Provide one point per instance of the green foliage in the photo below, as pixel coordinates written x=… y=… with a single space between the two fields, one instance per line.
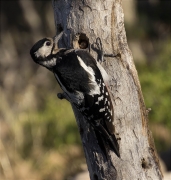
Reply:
x=155 y=78
x=59 y=122
x=51 y=127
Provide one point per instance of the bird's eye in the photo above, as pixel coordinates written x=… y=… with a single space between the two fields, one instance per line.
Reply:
x=48 y=43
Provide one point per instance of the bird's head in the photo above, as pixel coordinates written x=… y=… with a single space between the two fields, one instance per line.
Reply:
x=44 y=50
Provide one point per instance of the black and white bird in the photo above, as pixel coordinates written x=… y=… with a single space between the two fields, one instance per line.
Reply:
x=84 y=82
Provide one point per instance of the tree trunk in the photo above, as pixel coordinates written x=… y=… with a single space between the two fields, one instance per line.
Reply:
x=105 y=20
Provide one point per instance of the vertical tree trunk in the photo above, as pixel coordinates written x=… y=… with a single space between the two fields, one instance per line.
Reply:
x=105 y=19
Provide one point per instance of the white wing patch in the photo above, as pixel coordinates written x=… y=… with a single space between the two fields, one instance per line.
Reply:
x=100 y=98
x=103 y=73
x=93 y=84
x=102 y=109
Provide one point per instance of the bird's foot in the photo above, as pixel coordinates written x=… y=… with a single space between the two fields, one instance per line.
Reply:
x=62 y=96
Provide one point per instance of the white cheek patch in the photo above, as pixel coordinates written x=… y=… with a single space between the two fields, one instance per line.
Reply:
x=37 y=54
x=44 y=51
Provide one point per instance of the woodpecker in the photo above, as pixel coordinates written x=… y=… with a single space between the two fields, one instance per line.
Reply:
x=84 y=82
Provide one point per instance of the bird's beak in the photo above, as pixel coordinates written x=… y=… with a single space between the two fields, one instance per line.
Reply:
x=57 y=38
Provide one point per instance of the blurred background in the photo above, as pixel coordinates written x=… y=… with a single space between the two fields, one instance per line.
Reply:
x=38 y=133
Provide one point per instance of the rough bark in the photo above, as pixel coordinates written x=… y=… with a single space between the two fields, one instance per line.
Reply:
x=105 y=19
